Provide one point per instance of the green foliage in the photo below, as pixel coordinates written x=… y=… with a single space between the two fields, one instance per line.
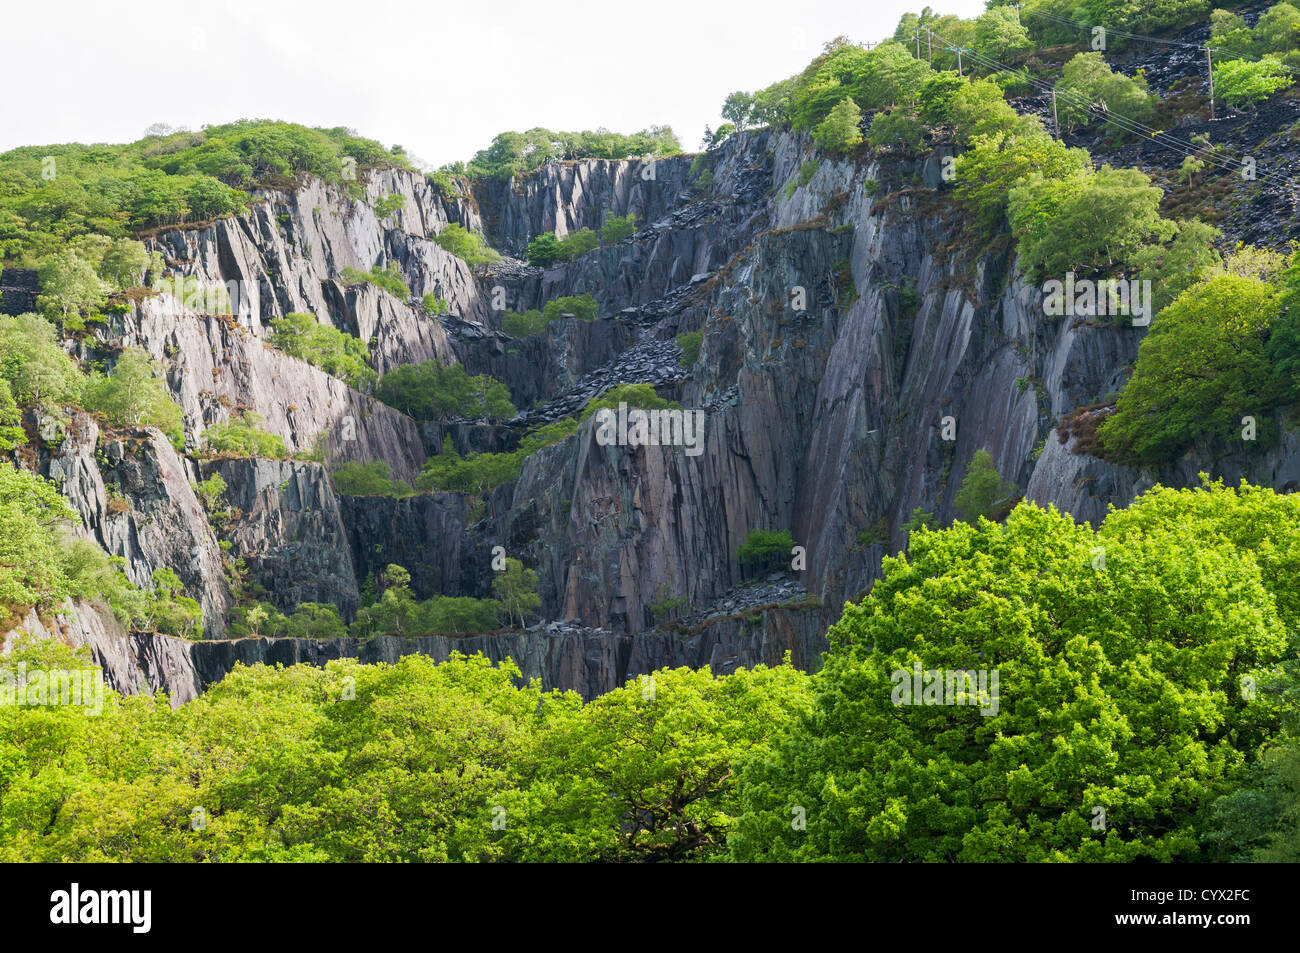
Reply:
x=36 y=367
x=763 y=548
x=11 y=431
x=1201 y=368
x=1243 y=83
x=899 y=128
x=642 y=396
x=513 y=153
x=69 y=286
x=169 y=610
x=135 y=395
x=390 y=278
x=1087 y=78
x=333 y=351
x=441 y=179
x=546 y=250
x=1085 y=222
x=839 y=131
x=468 y=246
x=646 y=805
x=617 y=229
x=480 y=472
x=309 y=620
x=1119 y=688
x=523 y=325
x=994 y=165
x=583 y=307
x=885 y=75
x=389 y=206
x=689 y=342
x=164 y=179
x=433 y=304
x=1173 y=269
x=397 y=612
x=369 y=478
x=982 y=488
x=516 y=589
x=124 y=263
x=938 y=97
x=210 y=491
x=243 y=436
x=31 y=513
x=1000 y=35
x=433 y=391
x=978 y=108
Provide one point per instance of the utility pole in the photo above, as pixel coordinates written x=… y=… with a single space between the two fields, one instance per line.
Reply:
x=1209 y=65
x=1056 y=122
x=917 y=34
x=929 y=48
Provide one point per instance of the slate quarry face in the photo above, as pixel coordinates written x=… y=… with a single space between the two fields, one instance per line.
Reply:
x=823 y=418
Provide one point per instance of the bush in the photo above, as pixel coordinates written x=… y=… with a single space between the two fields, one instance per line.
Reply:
x=389 y=206
x=546 y=250
x=1087 y=78
x=433 y=304
x=336 y=353
x=513 y=153
x=36 y=367
x=690 y=342
x=617 y=229
x=523 y=325
x=1144 y=660
x=986 y=173
x=764 y=548
x=839 y=131
x=243 y=436
x=135 y=395
x=583 y=307
x=389 y=278
x=433 y=391
x=468 y=246
x=641 y=396
x=368 y=479
x=479 y=472
x=898 y=128
x=516 y=589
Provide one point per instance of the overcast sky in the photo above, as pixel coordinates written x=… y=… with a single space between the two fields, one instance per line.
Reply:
x=439 y=78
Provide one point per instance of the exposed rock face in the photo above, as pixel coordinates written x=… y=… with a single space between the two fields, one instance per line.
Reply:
x=290 y=531
x=843 y=321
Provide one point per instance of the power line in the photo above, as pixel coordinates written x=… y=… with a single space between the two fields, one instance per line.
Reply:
x=1125 y=123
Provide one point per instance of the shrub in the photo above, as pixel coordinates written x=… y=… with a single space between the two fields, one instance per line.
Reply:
x=1085 y=222
x=523 y=325
x=898 y=128
x=642 y=396
x=1242 y=82
x=389 y=206
x=389 y=278
x=36 y=367
x=479 y=472
x=135 y=395
x=433 y=391
x=468 y=246
x=516 y=589
x=764 y=548
x=243 y=436
x=617 y=229
x=333 y=351
x=433 y=304
x=368 y=478
x=583 y=307
x=1087 y=78
x=689 y=342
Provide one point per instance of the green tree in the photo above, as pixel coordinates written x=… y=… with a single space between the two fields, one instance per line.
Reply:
x=1000 y=35
x=243 y=436
x=1201 y=368
x=1117 y=689
x=982 y=488
x=11 y=431
x=616 y=229
x=336 y=353
x=124 y=263
x=516 y=589
x=839 y=131
x=544 y=250
x=469 y=246
x=135 y=395
x=737 y=109
x=69 y=286
x=1243 y=82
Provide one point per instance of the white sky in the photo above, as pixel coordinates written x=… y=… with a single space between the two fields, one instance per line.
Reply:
x=441 y=78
